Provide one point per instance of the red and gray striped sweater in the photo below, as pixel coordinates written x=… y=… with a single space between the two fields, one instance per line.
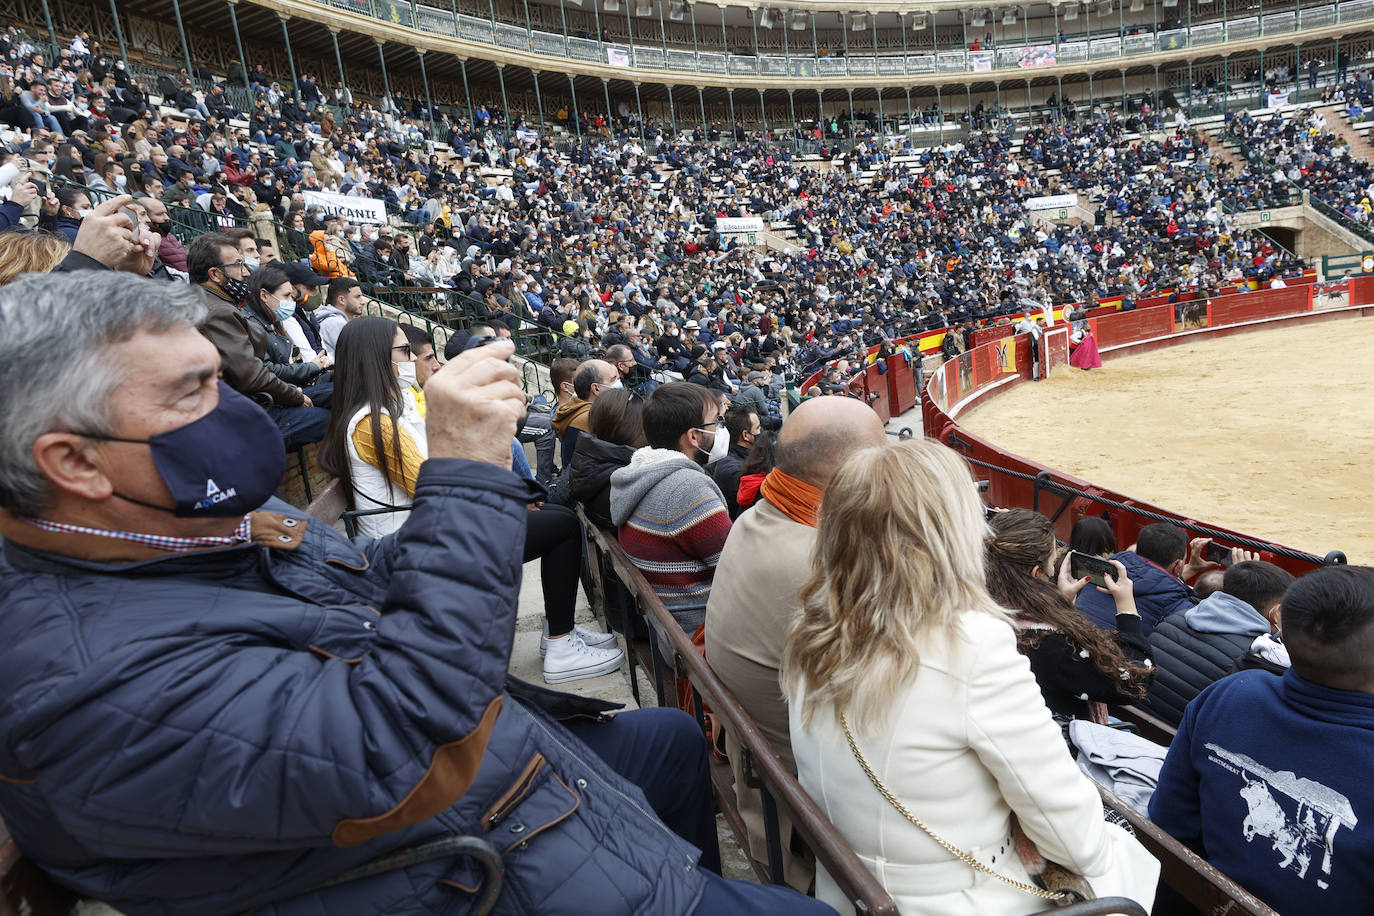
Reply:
x=673 y=524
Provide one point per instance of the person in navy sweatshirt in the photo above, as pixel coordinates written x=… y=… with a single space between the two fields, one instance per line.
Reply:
x=1267 y=778
x=1159 y=565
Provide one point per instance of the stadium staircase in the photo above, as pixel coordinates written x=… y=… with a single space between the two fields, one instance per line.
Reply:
x=1356 y=134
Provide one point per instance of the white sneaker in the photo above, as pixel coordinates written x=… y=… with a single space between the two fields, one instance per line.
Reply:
x=571 y=659
x=590 y=637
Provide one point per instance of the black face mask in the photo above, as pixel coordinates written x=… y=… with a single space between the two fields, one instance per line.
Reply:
x=164 y=227
x=236 y=289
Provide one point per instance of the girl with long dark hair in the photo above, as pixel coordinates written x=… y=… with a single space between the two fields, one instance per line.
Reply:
x=376 y=442
x=1075 y=663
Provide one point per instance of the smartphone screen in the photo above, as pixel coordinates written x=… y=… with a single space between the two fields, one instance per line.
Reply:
x=1217 y=553
x=1096 y=569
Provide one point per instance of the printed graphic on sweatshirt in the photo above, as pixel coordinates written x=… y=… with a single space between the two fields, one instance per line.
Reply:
x=1300 y=818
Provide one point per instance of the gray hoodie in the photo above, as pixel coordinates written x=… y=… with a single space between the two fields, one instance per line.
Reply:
x=331 y=322
x=1223 y=613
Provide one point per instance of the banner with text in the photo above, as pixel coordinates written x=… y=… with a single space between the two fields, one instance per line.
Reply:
x=354 y=209
x=1052 y=202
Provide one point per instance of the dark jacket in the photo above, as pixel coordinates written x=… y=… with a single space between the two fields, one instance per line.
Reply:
x=726 y=474
x=214 y=731
x=279 y=350
x=1266 y=781
x=242 y=345
x=1069 y=681
x=1157 y=595
x=1195 y=647
x=593 y=463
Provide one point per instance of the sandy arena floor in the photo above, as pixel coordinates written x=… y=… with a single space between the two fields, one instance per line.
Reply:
x=1270 y=433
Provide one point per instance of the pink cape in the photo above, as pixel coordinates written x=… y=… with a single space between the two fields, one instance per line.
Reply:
x=1085 y=356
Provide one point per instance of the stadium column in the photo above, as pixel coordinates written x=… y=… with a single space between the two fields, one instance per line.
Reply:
x=290 y=58
x=1155 y=101
x=467 y=93
x=939 y=113
x=730 y=94
x=852 y=129
x=701 y=100
x=880 y=112
x=639 y=110
x=505 y=105
x=52 y=33
x=1123 y=90
x=792 y=116
x=596 y=24
x=606 y=91
x=424 y=79
x=181 y=30
x=338 y=60
x=696 y=51
x=386 y=80
x=529 y=29
x=630 y=33
x=238 y=41
x=538 y=98
x=672 y=110
x=576 y=115
x=763 y=114
x=119 y=36
x=562 y=18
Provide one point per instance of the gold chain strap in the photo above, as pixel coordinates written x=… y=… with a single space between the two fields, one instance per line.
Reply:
x=1059 y=897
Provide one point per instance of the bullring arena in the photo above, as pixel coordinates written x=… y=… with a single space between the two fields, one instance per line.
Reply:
x=1268 y=432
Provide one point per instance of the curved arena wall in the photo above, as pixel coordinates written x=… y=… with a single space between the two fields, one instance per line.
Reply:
x=991 y=368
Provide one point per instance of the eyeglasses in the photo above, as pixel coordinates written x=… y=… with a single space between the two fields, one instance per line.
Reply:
x=404 y=348
x=233 y=264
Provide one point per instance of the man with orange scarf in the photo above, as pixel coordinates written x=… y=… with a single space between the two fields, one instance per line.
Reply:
x=766 y=558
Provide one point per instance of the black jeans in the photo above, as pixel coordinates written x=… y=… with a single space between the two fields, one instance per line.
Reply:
x=553 y=535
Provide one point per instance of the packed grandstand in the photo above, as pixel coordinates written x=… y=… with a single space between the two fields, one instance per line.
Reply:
x=304 y=353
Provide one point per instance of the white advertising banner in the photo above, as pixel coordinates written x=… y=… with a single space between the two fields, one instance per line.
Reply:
x=1277 y=99
x=355 y=209
x=617 y=57
x=1052 y=202
x=728 y=225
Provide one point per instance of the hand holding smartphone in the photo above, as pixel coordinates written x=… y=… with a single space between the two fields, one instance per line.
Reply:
x=1095 y=569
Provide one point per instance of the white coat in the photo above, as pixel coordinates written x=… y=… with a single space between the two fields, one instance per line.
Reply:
x=968 y=742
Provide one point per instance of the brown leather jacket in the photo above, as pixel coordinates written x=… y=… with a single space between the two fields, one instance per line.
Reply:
x=241 y=347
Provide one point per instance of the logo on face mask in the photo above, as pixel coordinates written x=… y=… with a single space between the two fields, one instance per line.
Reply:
x=213 y=495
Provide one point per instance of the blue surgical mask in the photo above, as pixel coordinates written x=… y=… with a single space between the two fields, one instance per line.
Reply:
x=285 y=309
x=252 y=263
x=226 y=464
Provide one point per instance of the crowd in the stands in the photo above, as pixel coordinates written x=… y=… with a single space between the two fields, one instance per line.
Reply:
x=217 y=703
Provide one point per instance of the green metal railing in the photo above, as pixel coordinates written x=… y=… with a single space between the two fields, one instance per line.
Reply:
x=1021 y=57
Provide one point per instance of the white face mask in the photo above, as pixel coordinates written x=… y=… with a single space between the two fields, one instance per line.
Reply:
x=719 y=447
x=616 y=384
x=406 y=373
x=85 y=212
x=252 y=263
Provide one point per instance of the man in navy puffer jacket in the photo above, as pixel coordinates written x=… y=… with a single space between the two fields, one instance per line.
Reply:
x=212 y=703
x=1158 y=571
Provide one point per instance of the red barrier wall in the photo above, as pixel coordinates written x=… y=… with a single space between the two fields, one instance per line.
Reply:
x=1124 y=327
x=875 y=387
x=983 y=372
x=901 y=384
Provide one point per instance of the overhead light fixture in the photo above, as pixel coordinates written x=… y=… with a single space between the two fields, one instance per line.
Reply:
x=859 y=22
x=1105 y=8
x=678 y=11
x=611 y=6
x=766 y=18
x=799 y=21
x=920 y=21
x=1169 y=3
x=1071 y=13
x=1009 y=17
x=1137 y=6
x=644 y=8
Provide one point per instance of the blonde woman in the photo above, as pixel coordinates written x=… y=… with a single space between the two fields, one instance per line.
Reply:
x=30 y=252
x=900 y=646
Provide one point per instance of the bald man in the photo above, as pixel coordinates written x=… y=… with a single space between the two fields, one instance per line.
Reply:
x=766 y=559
